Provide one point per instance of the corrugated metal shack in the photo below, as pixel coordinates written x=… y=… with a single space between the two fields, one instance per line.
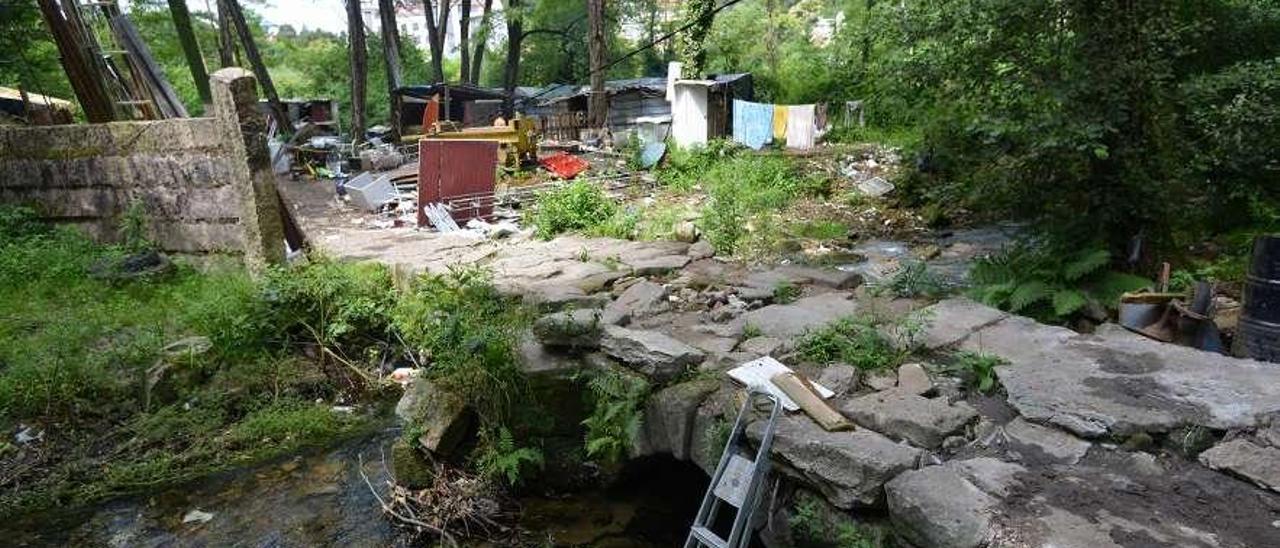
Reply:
x=469 y=105
x=563 y=107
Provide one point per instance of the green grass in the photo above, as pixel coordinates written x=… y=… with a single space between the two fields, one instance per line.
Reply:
x=75 y=351
x=854 y=341
x=578 y=206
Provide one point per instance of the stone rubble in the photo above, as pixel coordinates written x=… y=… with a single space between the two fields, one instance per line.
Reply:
x=1021 y=474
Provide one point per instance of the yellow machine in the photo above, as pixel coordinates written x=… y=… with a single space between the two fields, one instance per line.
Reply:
x=515 y=138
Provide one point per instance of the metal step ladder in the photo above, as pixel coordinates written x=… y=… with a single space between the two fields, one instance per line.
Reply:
x=736 y=482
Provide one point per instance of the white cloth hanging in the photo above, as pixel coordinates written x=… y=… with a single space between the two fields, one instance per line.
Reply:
x=800 y=127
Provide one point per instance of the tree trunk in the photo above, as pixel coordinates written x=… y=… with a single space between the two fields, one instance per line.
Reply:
x=359 y=68
x=482 y=42
x=437 y=30
x=515 y=36
x=866 y=35
x=88 y=84
x=699 y=14
x=771 y=38
x=464 y=40
x=278 y=111
x=598 y=101
x=191 y=48
x=226 y=41
x=391 y=52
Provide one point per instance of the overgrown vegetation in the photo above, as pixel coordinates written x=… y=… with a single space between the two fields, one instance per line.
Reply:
x=616 y=413
x=77 y=351
x=578 y=206
x=853 y=340
x=978 y=369
x=815 y=525
x=1050 y=285
x=913 y=279
x=83 y=360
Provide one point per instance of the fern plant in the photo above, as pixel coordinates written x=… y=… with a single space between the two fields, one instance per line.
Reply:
x=499 y=457
x=1048 y=285
x=615 y=418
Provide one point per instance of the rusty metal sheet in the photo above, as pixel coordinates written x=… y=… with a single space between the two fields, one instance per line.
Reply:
x=459 y=173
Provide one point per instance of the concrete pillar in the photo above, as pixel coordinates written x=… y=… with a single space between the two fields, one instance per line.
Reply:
x=244 y=129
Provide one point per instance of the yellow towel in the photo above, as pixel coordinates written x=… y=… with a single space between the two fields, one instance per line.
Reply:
x=779 y=123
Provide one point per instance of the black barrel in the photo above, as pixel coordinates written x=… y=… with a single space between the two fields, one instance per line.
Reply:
x=1259 y=328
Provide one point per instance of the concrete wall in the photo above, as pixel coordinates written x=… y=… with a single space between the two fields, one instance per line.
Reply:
x=198 y=179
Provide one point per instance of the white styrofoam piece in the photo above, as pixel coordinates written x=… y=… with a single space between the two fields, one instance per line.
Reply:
x=758 y=374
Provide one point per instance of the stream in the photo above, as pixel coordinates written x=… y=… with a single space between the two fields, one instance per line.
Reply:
x=320 y=499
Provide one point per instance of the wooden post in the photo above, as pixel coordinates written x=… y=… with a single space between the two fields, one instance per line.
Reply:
x=244 y=129
x=359 y=68
x=598 y=101
x=278 y=111
x=190 y=48
x=85 y=80
x=226 y=41
x=391 y=52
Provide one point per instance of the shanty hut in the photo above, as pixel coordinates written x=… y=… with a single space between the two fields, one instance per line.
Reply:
x=36 y=109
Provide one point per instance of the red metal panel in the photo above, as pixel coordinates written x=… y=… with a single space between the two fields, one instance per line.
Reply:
x=461 y=174
x=428 y=177
x=467 y=177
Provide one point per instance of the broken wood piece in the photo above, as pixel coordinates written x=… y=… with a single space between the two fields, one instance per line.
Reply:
x=799 y=390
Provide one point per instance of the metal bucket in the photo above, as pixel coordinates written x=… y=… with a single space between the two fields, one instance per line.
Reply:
x=1259 y=328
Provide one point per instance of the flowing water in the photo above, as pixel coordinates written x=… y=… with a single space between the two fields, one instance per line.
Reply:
x=320 y=499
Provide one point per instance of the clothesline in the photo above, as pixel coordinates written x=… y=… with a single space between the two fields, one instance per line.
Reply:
x=758 y=124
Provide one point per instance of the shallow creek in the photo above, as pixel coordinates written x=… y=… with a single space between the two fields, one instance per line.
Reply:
x=320 y=499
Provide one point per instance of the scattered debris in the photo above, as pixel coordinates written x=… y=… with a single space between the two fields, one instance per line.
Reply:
x=440 y=217
x=27 y=434
x=369 y=192
x=758 y=374
x=875 y=187
x=564 y=165
x=197 y=516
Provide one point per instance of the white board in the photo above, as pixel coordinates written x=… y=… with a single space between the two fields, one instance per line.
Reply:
x=758 y=373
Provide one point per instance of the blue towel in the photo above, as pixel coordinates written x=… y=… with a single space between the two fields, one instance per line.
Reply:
x=752 y=123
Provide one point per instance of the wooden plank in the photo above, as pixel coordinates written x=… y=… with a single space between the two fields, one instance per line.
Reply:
x=800 y=390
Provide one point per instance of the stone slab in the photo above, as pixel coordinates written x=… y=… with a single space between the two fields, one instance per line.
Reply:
x=922 y=421
x=786 y=321
x=1243 y=458
x=1099 y=386
x=1048 y=443
x=847 y=468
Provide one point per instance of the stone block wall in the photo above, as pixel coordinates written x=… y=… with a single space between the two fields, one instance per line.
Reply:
x=196 y=179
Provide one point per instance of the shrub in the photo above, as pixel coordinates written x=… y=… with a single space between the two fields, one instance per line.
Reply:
x=744 y=192
x=615 y=414
x=580 y=205
x=913 y=280
x=468 y=332
x=498 y=457
x=1048 y=284
x=854 y=341
x=979 y=369
x=786 y=292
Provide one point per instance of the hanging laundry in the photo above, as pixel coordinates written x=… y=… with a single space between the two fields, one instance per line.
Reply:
x=800 y=127
x=820 y=120
x=752 y=123
x=779 y=123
